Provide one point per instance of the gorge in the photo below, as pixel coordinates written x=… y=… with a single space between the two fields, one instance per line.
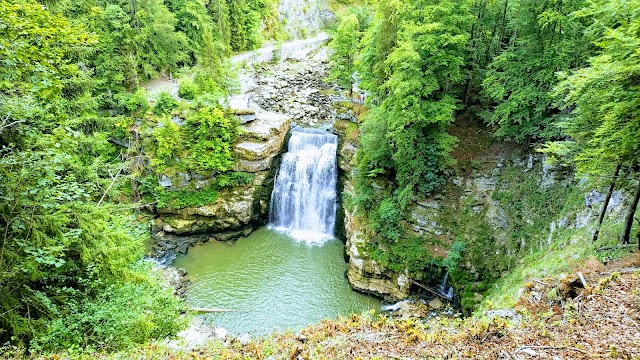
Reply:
x=313 y=179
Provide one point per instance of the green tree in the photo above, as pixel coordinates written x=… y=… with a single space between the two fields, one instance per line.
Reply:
x=418 y=101
x=34 y=49
x=65 y=245
x=344 y=47
x=604 y=98
x=377 y=43
x=211 y=135
x=543 y=39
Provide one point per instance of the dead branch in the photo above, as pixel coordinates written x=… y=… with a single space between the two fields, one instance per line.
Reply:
x=621 y=246
x=552 y=348
x=430 y=290
x=6 y=124
x=539 y=282
x=507 y=354
x=583 y=280
x=110 y=186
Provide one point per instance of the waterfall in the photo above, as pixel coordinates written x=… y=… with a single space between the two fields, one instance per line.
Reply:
x=303 y=202
x=445 y=289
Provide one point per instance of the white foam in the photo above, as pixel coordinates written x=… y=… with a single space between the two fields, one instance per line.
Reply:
x=304 y=236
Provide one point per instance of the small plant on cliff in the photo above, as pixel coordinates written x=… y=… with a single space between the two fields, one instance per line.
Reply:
x=207 y=195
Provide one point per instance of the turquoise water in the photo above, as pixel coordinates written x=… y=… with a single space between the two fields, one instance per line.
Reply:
x=271 y=282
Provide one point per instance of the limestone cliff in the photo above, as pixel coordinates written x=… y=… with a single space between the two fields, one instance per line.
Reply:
x=364 y=274
x=499 y=205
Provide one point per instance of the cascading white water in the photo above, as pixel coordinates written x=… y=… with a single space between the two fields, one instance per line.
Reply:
x=303 y=202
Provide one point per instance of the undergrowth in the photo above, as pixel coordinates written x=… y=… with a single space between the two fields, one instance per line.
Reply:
x=189 y=197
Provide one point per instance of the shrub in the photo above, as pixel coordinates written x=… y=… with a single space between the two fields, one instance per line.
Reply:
x=165 y=104
x=122 y=315
x=188 y=89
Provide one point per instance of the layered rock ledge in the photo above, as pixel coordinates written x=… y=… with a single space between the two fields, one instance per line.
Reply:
x=236 y=210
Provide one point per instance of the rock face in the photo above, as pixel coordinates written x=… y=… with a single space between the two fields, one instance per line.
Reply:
x=302 y=20
x=236 y=209
x=494 y=210
x=364 y=274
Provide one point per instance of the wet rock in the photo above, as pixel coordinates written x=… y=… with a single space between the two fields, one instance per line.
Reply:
x=436 y=304
x=232 y=209
x=233 y=235
x=183 y=249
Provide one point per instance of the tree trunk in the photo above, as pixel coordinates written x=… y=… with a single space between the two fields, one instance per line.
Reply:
x=606 y=201
x=629 y=219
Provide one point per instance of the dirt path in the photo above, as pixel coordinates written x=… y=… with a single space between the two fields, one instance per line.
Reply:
x=297 y=49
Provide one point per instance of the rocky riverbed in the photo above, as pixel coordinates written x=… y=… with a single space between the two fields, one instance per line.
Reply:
x=295 y=86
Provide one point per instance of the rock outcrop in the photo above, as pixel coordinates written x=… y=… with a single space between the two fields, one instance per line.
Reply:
x=236 y=209
x=496 y=207
x=364 y=274
x=302 y=19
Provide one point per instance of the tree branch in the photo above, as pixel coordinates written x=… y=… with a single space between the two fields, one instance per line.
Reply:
x=6 y=124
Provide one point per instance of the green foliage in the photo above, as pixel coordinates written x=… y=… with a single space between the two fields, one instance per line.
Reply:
x=344 y=46
x=165 y=104
x=68 y=245
x=214 y=82
x=377 y=43
x=34 y=49
x=407 y=254
x=210 y=136
x=188 y=89
x=417 y=105
x=454 y=256
x=122 y=316
x=412 y=57
x=133 y=103
x=193 y=198
x=203 y=144
x=603 y=97
x=244 y=19
x=60 y=247
x=543 y=39
x=168 y=144
x=386 y=220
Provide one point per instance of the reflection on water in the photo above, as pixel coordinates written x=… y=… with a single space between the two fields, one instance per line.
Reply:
x=272 y=281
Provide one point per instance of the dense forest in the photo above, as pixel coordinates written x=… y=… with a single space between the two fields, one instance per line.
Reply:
x=70 y=96
x=559 y=76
